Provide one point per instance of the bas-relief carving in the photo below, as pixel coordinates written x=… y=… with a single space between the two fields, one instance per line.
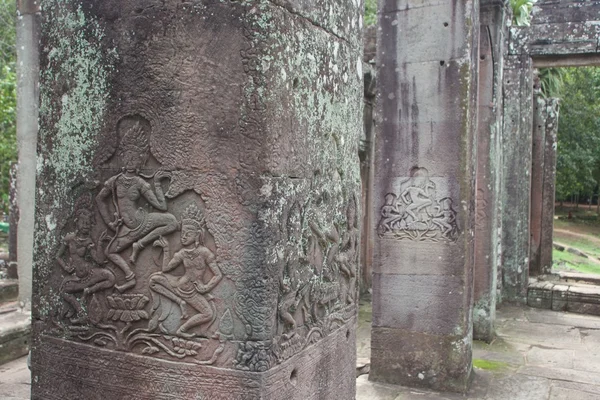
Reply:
x=130 y=284
x=318 y=281
x=417 y=212
x=140 y=276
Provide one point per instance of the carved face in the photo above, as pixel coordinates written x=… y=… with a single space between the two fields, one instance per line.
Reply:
x=189 y=235
x=84 y=222
x=132 y=159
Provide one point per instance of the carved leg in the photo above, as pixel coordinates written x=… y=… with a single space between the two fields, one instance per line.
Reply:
x=124 y=266
x=195 y=320
x=288 y=319
x=163 y=225
x=105 y=280
x=72 y=301
x=135 y=251
x=157 y=284
x=411 y=213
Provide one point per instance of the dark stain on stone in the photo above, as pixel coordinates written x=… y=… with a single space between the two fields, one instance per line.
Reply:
x=414 y=116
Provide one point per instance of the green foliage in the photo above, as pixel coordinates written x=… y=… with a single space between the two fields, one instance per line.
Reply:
x=8 y=94
x=370 y=12
x=552 y=81
x=522 y=11
x=578 y=158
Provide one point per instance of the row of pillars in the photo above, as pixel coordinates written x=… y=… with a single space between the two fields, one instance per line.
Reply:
x=239 y=124
x=463 y=191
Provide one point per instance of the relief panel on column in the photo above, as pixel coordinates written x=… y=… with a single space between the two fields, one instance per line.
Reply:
x=139 y=264
x=420 y=208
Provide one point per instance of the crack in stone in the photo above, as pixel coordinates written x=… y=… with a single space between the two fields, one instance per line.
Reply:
x=288 y=7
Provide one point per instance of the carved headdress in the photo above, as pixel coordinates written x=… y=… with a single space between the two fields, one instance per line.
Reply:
x=135 y=139
x=193 y=216
x=83 y=205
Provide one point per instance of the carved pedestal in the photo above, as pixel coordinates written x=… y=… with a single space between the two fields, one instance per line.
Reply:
x=424 y=195
x=198 y=193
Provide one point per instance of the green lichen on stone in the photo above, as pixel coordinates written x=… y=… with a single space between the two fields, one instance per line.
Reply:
x=74 y=90
x=76 y=61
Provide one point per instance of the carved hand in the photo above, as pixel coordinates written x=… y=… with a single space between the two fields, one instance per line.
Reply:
x=162 y=175
x=104 y=237
x=200 y=287
x=160 y=242
x=116 y=223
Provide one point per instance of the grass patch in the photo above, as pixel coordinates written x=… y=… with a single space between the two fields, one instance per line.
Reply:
x=564 y=261
x=583 y=226
x=489 y=365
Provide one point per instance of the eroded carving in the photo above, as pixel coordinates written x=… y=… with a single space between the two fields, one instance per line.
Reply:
x=82 y=263
x=164 y=308
x=119 y=203
x=189 y=288
x=318 y=283
x=417 y=213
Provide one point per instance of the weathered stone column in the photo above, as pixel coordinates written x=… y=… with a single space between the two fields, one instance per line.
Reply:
x=198 y=200
x=27 y=129
x=516 y=178
x=13 y=224
x=367 y=154
x=538 y=147
x=546 y=120
x=493 y=18
x=425 y=194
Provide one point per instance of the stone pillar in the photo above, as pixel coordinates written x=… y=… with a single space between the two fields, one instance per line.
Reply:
x=516 y=178
x=13 y=223
x=550 y=120
x=538 y=147
x=424 y=194
x=489 y=167
x=27 y=128
x=199 y=192
x=367 y=172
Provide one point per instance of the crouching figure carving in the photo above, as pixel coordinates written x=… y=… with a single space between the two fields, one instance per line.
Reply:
x=189 y=288
x=82 y=263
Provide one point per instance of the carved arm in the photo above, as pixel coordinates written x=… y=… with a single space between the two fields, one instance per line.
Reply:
x=61 y=262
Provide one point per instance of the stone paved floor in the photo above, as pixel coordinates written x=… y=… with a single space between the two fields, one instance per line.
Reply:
x=538 y=355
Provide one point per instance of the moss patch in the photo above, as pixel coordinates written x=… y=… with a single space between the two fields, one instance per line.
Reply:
x=489 y=365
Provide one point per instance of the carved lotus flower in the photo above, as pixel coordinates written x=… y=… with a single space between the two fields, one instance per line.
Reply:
x=127 y=307
x=187 y=347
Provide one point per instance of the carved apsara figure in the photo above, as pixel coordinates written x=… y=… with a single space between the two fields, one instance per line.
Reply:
x=120 y=200
x=417 y=214
x=325 y=291
x=348 y=256
x=296 y=275
x=392 y=214
x=83 y=257
x=445 y=218
x=189 y=288
x=419 y=194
